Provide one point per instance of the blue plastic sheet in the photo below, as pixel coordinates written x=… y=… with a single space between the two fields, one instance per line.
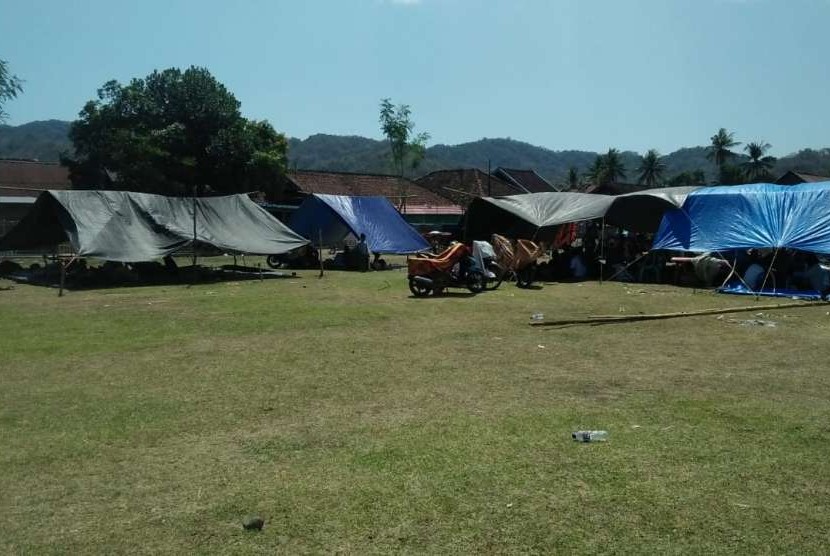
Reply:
x=335 y=216
x=750 y=216
x=740 y=289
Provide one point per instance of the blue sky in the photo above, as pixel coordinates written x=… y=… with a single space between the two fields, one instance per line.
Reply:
x=564 y=74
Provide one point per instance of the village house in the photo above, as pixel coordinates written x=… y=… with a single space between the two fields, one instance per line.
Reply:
x=21 y=181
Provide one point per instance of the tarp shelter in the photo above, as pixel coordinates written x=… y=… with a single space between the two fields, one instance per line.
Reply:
x=537 y=215
x=132 y=227
x=642 y=211
x=337 y=216
x=531 y=216
x=725 y=218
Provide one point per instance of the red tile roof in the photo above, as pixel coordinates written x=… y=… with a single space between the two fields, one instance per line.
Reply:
x=465 y=184
x=393 y=188
x=528 y=180
x=23 y=178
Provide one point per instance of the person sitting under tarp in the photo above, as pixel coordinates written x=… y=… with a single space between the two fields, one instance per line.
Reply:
x=361 y=253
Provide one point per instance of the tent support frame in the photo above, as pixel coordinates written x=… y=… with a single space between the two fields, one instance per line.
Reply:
x=766 y=276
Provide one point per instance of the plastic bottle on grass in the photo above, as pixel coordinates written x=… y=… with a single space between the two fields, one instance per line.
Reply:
x=590 y=436
x=537 y=317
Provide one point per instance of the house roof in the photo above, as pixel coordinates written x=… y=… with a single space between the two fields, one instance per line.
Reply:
x=528 y=180
x=793 y=177
x=613 y=188
x=363 y=185
x=465 y=184
x=24 y=178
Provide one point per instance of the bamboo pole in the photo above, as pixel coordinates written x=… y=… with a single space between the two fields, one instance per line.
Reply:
x=320 y=251
x=766 y=276
x=603 y=319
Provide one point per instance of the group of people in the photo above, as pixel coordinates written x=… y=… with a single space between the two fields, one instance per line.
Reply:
x=784 y=269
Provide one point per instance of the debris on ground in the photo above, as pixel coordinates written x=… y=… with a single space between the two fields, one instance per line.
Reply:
x=754 y=322
x=253 y=523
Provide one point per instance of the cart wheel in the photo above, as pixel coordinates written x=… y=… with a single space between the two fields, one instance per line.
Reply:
x=476 y=282
x=494 y=283
x=524 y=278
x=417 y=289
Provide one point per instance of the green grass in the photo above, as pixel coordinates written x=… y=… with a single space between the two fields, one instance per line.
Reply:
x=356 y=419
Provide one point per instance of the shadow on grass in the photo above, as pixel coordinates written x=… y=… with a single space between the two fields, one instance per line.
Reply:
x=445 y=295
x=184 y=276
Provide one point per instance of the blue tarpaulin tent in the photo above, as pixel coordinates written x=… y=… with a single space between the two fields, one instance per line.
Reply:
x=756 y=216
x=338 y=215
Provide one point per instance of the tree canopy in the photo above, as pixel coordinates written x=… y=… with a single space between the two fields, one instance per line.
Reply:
x=10 y=87
x=172 y=132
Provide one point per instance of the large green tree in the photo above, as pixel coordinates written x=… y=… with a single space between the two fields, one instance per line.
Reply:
x=651 y=169
x=173 y=132
x=719 y=150
x=10 y=87
x=759 y=165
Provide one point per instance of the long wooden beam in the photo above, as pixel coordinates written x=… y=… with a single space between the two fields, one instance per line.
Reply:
x=604 y=319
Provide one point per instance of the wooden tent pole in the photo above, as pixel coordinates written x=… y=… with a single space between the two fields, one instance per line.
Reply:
x=320 y=250
x=766 y=276
x=601 y=250
x=194 y=225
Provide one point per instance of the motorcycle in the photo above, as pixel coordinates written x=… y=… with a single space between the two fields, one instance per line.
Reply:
x=453 y=268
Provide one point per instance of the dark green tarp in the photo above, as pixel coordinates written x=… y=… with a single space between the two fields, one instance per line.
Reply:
x=132 y=227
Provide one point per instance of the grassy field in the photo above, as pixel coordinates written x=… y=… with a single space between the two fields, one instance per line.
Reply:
x=356 y=419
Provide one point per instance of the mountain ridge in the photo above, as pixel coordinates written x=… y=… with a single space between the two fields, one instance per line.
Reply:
x=45 y=140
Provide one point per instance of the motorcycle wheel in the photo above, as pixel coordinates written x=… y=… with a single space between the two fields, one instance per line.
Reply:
x=418 y=290
x=274 y=261
x=494 y=283
x=524 y=278
x=476 y=282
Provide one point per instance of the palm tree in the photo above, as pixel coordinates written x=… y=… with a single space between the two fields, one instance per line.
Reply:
x=759 y=164
x=651 y=169
x=573 y=179
x=596 y=172
x=614 y=167
x=719 y=151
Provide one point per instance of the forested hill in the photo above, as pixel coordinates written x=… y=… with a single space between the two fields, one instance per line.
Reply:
x=45 y=140
x=358 y=154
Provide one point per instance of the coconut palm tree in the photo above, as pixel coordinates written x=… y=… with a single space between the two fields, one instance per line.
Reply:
x=614 y=167
x=596 y=172
x=651 y=169
x=759 y=164
x=573 y=178
x=719 y=151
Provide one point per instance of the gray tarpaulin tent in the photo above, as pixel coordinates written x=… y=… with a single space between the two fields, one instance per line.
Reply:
x=531 y=216
x=132 y=227
x=642 y=211
x=537 y=215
